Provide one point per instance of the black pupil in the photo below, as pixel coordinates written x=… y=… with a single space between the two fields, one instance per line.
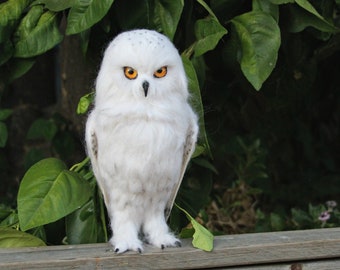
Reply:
x=130 y=71
x=159 y=71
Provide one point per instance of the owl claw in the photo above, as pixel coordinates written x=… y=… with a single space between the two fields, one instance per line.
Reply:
x=124 y=245
x=168 y=240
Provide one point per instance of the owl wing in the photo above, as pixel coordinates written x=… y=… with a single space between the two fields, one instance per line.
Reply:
x=188 y=150
x=92 y=150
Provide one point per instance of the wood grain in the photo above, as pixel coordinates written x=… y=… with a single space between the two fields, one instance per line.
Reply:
x=311 y=249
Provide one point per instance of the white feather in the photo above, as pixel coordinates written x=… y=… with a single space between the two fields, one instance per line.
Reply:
x=140 y=145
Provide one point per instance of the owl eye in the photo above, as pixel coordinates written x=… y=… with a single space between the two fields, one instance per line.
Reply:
x=161 y=72
x=130 y=73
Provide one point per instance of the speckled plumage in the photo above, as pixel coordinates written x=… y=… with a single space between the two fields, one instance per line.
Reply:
x=140 y=136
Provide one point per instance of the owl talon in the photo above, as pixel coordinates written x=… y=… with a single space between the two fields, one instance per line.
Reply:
x=178 y=244
x=139 y=250
x=162 y=246
x=116 y=250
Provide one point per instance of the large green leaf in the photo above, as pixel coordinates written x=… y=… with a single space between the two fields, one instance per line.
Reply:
x=167 y=15
x=10 y=14
x=56 y=5
x=85 y=13
x=260 y=39
x=82 y=226
x=208 y=33
x=37 y=33
x=49 y=192
x=196 y=101
x=10 y=238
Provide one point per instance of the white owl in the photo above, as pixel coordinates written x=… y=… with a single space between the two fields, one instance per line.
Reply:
x=140 y=136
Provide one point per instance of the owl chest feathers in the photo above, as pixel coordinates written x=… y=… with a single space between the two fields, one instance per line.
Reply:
x=141 y=149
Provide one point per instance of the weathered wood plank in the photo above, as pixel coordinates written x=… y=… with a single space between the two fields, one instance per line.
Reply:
x=316 y=265
x=285 y=248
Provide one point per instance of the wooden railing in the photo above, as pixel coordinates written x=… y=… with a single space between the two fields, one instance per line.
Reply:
x=294 y=250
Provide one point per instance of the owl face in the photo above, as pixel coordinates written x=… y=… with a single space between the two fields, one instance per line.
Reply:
x=141 y=66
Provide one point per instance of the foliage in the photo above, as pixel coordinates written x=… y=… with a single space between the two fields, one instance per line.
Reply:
x=261 y=156
x=202 y=238
x=314 y=217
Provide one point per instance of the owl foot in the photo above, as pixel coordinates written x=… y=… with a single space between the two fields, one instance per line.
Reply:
x=124 y=245
x=177 y=244
x=166 y=240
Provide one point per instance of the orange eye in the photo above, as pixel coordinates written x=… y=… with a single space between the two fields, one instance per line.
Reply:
x=130 y=73
x=160 y=73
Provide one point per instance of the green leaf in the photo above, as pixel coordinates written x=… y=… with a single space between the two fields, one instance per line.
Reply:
x=36 y=36
x=85 y=14
x=205 y=164
x=10 y=220
x=29 y=22
x=266 y=6
x=308 y=6
x=198 y=151
x=259 y=37
x=49 y=192
x=202 y=238
x=4 y=212
x=15 y=68
x=207 y=8
x=187 y=233
x=56 y=5
x=280 y=2
x=301 y=219
x=10 y=238
x=5 y=113
x=82 y=226
x=10 y=11
x=3 y=134
x=42 y=128
x=84 y=103
x=167 y=15
x=196 y=101
x=208 y=33
x=302 y=18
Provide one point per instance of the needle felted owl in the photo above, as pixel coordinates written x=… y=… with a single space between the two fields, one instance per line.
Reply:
x=140 y=136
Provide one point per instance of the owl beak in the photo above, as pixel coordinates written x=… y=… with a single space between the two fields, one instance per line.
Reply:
x=145 y=87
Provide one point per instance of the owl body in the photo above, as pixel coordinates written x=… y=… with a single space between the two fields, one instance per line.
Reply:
x=140 y=136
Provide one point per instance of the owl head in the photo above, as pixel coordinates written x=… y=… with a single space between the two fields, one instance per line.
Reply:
x=140 y=66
